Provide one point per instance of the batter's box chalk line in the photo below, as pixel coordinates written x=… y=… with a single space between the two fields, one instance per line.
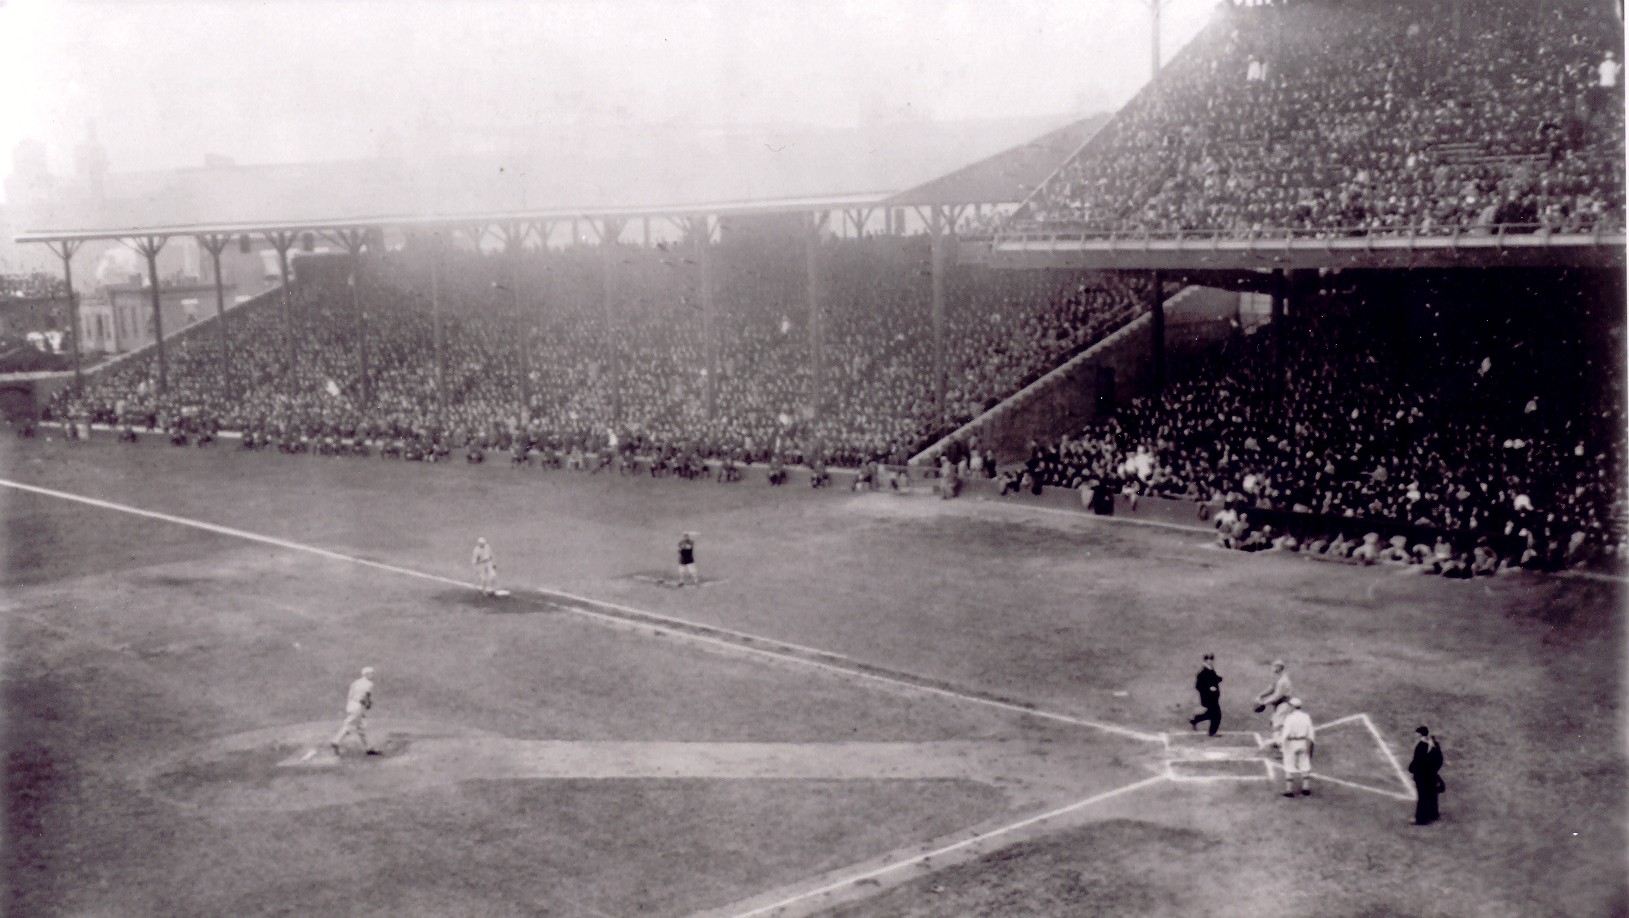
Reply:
x=1227 y=756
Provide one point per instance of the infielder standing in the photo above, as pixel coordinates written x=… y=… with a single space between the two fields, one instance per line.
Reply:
x=687 y=559
x=1296 y=736
x=486 y=567
x=357 y=704
x=1278 y=696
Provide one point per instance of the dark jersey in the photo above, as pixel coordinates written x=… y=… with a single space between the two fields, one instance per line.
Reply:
x=1209 y=684
x=687 y=551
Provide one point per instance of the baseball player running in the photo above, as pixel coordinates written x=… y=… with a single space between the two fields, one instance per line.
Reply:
x=357 y=704
x=1276 y=696
x=1297 y=737
x=486 y=567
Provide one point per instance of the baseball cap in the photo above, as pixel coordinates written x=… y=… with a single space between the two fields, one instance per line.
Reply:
x=1295 y=702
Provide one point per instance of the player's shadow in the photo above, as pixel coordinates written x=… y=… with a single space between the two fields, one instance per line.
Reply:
x=471 y=598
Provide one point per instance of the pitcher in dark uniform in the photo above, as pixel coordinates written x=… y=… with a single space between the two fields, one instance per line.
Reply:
x=1209 y=685
x=687 y=559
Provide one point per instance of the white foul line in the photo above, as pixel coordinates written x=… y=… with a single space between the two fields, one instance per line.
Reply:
x=677 y=623
x=1003 y=830
x=1341 y=720
x=1274 y=768
x=1396 y=766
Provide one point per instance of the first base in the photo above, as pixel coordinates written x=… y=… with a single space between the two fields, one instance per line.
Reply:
x=500 y=593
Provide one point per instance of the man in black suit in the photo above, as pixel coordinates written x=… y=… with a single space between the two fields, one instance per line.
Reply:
x=1209 y=685
x=1426 y=767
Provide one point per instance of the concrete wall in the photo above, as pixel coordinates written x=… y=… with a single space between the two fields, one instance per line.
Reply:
x=1198 y=320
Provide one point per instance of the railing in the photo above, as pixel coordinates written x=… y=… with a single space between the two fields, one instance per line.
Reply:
x=1080 y=236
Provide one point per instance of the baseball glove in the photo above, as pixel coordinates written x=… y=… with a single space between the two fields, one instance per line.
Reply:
x=1260 y=708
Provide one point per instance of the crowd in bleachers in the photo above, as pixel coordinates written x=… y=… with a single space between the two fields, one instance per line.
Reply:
x=1386 y=117
x=1406 y=412
x=532 y=354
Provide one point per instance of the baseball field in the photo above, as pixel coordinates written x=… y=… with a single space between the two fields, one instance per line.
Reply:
x=876 y=705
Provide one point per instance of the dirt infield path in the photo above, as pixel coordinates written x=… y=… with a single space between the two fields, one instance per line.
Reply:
x=292 y=768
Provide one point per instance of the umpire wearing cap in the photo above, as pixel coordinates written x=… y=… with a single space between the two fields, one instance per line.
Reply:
x=1209 y=685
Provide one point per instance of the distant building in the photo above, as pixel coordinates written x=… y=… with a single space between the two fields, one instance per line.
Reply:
x=120 y=318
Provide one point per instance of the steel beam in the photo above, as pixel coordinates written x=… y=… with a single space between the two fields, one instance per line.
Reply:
x=215 y=244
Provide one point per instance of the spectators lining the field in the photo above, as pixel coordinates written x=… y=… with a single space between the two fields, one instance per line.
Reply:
x=1434 y=409
x=1364 y=117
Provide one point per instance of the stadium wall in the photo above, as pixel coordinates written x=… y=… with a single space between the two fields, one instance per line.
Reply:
x=1198 y=321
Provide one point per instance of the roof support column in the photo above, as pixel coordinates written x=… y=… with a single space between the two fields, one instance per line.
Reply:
x=1277 y=320
x=514 y=248
x=149 y=247
x=438 y=336
x=355 y=242
x=282 y=242
x=610 y=230
x=65 y=250
x=1156 y=331
x=817 y=315
x=214 y=244
x=709 y=314
x=936 y=231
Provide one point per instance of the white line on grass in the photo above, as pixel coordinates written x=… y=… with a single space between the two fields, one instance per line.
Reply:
x=1341 y=720
x=841 y=670
x=1402 y=776
x=1273 y=768
x=676 y=623
x=1003 y=830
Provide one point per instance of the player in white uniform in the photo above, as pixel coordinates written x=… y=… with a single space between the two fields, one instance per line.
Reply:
x=486 y=567
x=1277 y=696
x=358 y=701
x=1296 y=736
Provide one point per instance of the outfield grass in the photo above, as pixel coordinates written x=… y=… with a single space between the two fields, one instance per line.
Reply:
x=134 y=648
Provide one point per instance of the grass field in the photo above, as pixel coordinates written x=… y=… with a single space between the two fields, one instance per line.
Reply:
x=877 y=706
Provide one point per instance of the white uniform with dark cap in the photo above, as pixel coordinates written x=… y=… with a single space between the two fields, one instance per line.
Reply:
x=1296 y=737
x=1277 y=697
x=358 y=701
x=486 y=568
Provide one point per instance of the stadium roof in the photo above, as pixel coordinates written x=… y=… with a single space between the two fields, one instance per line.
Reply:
x=1008 y=176
x=647 y=171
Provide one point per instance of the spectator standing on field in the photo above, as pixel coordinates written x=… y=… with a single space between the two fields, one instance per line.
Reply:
x=1426 y=767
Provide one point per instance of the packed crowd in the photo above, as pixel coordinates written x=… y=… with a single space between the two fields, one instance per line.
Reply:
x=1406 y=412
x=532 y=355
x=1386 y=117
x=33 y=286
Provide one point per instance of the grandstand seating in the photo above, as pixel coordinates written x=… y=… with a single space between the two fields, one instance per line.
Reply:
x=1447 y=407
x=1003 y=329
x=1325 y=117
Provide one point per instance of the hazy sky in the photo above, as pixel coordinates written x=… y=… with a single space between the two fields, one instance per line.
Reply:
x=293 y=80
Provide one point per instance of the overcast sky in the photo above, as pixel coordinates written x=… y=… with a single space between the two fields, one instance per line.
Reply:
x=299 y=80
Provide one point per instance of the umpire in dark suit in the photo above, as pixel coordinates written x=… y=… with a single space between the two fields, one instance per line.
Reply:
x=1426 y=767
x=1209 y=685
